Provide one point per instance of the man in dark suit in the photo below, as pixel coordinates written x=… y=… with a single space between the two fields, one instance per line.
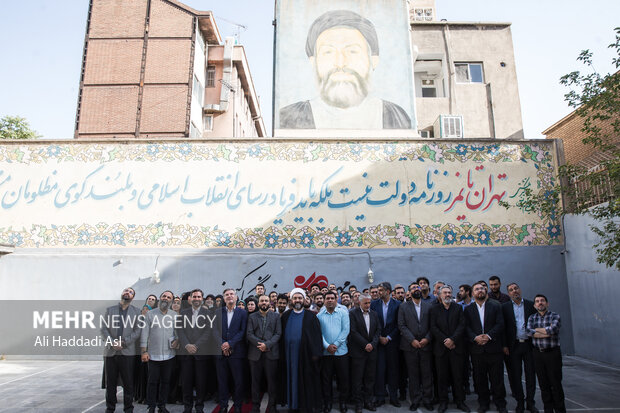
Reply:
x=387 y=360
x=230 y=363
x=485 y=329
x=120 y=335
x=363 y=342
x=518 y=349
x=193 y=331
x=415 y=340
x=264 y=332
x=448 y=328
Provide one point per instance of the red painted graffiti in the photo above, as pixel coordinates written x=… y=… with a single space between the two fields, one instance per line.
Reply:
x=302 y=282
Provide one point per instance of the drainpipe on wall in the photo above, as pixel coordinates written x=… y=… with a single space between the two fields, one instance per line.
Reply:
x=446 y=36
x=491 y=113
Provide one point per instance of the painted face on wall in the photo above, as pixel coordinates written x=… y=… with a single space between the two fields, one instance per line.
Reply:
x=343 y=66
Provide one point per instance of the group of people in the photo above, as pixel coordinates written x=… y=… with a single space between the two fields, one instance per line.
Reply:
x=378 y=343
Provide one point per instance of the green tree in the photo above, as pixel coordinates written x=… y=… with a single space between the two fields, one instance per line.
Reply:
x=15 y=127
x=596 y=99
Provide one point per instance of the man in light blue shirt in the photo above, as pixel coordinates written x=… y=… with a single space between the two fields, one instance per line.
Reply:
x=335 y=327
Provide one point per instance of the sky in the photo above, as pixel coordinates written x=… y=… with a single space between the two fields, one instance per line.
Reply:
x=42 y=41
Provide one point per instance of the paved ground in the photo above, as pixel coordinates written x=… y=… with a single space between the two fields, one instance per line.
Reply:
x=74 y=386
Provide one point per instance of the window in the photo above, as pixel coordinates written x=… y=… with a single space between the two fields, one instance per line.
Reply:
x=199 y=91
x=207 y=122
x=421 y=15
x=210 y=76
x=194 y=133
x=429 y=90
x=428 y=78
x=468 y=72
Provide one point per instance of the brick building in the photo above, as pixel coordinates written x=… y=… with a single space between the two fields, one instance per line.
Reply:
x=158 y=68
x=569 y=130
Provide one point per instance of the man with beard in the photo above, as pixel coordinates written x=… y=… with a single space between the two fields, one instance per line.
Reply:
x=425 y=289
x=387 y=362
x=319 y=300
x=447 y=328
x=302 y=347
x=544 y=328
x=345 y=299
x=399 y=295
x=415 y=338
x=193 y=331
x=120 y=335
x=158 y=343
x=264 y=332
x=282 y=303
x=343 y=49
x=518 y=348
x=495 y=285
x=484 y=330
x=229 y=365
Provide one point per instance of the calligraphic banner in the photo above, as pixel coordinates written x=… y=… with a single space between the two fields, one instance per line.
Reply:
x=275 y=194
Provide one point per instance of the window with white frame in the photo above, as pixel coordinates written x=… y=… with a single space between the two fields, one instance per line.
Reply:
x=429 y=78
x=469 y=72
x=211 y=76
x=207 y=122
x=199 y=91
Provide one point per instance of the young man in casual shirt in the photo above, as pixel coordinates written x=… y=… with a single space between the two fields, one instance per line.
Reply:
x=544 y=328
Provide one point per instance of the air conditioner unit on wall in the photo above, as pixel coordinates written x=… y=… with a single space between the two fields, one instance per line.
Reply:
x=448 y=126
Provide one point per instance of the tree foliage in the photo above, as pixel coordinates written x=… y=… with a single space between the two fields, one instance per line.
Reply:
x=15 y=127
x=596 y=99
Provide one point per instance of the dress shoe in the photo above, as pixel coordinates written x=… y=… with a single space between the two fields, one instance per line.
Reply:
x=343 y=408
x=442 y=407
x=464 y=408
x=370 y=406
x=395 y=403
x=428 y=406
x=414 y=407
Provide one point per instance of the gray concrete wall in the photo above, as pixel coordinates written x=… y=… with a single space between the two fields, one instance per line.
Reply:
x=97 y=274
x=594 y=291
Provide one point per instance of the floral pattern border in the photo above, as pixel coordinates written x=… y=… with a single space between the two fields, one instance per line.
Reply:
x=546 y=232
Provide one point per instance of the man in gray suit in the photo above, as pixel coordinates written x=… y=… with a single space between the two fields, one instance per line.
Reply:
x=120 y=333
x=415 y=331
x=263 y=334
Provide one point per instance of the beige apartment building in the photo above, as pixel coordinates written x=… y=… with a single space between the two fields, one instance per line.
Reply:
x=158 y=68
x=465 y=77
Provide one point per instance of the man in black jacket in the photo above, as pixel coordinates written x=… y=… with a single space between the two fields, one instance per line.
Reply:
x=263 y=334
x=448 y=328
x=415 y=342
x=363 y=341
x=485 y=329
x=193 y=333
x=518 y=348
